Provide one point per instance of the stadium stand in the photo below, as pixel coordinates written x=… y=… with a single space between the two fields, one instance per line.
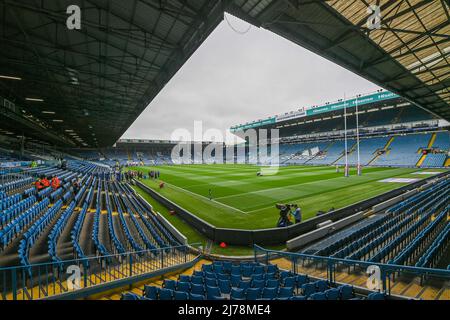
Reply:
x=368 y=151
x=403 y=151
x=244 y=281
x=27 y=214
x=332 y=153
x=380 y=148
x=400 y=235
x=434 y=160
x=93 y=83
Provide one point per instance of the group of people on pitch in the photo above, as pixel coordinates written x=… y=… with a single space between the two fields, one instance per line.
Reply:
x=289 y=214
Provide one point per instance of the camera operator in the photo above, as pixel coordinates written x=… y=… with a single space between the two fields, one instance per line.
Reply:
x=285 y=209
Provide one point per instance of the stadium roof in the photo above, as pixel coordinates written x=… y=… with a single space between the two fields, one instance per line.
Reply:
x=409 y=54
x=97 y=80
x=380 y=97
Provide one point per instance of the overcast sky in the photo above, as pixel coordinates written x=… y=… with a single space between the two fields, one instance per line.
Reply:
x=234 y=78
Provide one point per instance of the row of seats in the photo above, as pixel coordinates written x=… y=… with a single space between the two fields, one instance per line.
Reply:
x=117 y=244
x=388 y=235
x=56 y=231
x=159 y=233
x=16 y=226
x=101 y=249
x=423 y=238
x=436 y=250
x=15 y=210
x=32 y=234
x=10 y=201
x=143 y=236
x=27 y=215
x=401 y=240
x=434 y=160
x=184 y=290
x=16 y=184
x=404 y=150
x=76 y=229
x=396 y=217
x=125 y=228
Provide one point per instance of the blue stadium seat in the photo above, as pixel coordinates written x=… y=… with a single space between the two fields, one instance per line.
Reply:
x=212 y=292
x=376 y=296
x=308 y=289
x=197 y=289
x=297 y=298
x=318 y=296
x=151 y=292
x=197 y=280
x=130 y=296
x=272 y=283
x=223 y=276
x=180 y=295
x=321 y=285
x=247 y=271
x=346 y=292
x=244 y=284
x=301 y=279
x=258 y=283
x=235 y=280
x=285 y=292
x=235 y=270
x=225 y=286
x=212 y=282
x=289 y=282
x=184 y=286
x=269 y=293
x=166 y=294
x=332 y=294
x=170 y=284
x=237 y=294
x=184 y=278
x=194 y=296
x=253 y=293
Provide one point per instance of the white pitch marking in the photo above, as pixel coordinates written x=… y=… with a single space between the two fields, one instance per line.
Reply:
x=199 y=195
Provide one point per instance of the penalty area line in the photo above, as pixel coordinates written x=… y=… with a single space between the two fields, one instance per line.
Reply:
x=206 y=198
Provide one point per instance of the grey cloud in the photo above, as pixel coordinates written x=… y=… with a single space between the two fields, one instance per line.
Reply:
x=235 y=78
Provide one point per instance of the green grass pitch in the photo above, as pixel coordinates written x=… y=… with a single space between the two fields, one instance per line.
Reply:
x=243 y=200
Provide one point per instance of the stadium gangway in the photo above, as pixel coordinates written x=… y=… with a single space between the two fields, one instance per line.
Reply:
x=338 y=271
x=45 y=280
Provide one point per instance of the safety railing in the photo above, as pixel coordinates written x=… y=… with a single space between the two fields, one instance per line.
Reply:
x=39 y=281
x=413 y=282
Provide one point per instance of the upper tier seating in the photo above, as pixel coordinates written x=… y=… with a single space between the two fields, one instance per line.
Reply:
x=434 y=160
x=442 y=140
x=404 y=150
x=333 y=152
x=367 y=151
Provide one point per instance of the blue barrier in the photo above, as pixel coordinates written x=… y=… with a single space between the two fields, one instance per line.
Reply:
x=332 y=267
x=45 y=280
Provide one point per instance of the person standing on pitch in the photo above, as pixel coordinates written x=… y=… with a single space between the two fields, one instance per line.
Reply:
x=297 y=214
x=210 y=194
